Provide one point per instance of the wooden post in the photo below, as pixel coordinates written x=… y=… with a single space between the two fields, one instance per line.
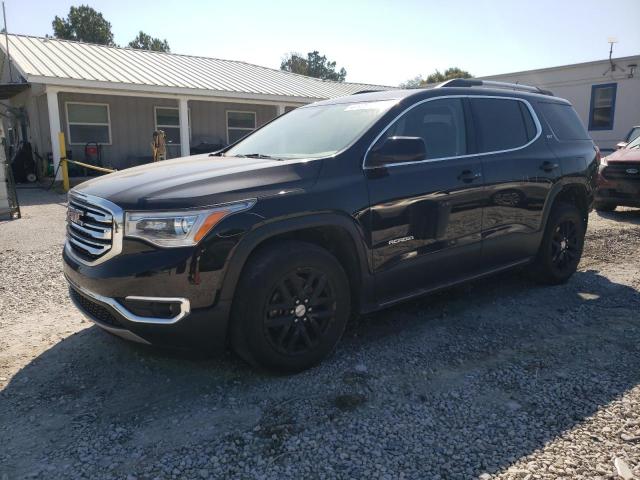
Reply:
x=63 y=162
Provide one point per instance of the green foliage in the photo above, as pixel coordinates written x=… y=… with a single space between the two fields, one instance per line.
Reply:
x=83 y=24
x=415 y=82
x=315 y=65
x=147 y=42
x=436 y=77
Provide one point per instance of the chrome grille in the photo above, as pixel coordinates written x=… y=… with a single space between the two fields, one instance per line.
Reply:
x=94 y=227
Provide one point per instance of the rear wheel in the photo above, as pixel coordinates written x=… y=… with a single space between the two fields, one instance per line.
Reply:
x=562 y=244
x=291 y=307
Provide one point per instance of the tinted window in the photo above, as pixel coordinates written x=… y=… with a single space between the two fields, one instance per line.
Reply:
x=564 y=121
x=500 y=123
x=529 y=124
x=440 y=123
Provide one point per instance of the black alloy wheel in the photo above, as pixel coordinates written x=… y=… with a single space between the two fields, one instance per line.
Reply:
x=561 y=248
x=299 y=310
x=291 y=306
x=564 y=245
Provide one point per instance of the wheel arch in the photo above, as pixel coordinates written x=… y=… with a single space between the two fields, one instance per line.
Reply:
x=573 y=193
x=339 y=234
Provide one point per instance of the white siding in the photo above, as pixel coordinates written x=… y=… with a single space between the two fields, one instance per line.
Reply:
x=133 y=123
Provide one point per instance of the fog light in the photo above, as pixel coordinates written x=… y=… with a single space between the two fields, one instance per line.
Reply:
x=150 y=309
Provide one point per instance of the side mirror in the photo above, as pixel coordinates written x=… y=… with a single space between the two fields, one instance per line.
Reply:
x=620 y=145
x=398 y=150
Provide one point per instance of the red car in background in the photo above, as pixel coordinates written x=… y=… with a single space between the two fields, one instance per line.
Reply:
x=619 y=178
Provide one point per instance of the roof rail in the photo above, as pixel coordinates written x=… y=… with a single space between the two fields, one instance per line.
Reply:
x=472 y=82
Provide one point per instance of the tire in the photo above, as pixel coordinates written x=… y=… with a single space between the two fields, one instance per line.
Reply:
x=269 y=329
x=605 y=207
x=561 y=248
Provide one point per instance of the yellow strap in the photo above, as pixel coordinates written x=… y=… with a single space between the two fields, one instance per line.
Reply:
x=93 y=167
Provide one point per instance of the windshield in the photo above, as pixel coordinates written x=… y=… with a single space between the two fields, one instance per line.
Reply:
x=313 y=131
x=634 y=144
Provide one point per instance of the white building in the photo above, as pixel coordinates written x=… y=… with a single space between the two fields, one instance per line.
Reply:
x=605 y=94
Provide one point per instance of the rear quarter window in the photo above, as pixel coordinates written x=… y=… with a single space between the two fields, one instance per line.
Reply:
x=564 y=121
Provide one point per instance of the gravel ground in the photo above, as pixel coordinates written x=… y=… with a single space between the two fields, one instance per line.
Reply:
x=495 y=379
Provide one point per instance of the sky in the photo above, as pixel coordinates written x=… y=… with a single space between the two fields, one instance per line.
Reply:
x=379 y=42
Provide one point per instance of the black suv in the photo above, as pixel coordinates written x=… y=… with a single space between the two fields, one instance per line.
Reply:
x=341 y=207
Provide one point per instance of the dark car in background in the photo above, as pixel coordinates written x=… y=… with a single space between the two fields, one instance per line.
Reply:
x=619 y=178
x=337 y=208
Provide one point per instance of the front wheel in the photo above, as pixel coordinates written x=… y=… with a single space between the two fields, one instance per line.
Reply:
x=291 y=307
x=561 y=247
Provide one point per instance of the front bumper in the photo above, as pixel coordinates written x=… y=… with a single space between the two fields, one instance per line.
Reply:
x=615 y=195
x=618 y=187
x=103 y=301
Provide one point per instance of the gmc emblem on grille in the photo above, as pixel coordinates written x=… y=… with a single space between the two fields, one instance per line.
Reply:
x=74 y=215
x=632 y=171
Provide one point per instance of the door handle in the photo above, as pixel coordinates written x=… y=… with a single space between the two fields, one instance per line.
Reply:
x=548 y=166
x=469 y=176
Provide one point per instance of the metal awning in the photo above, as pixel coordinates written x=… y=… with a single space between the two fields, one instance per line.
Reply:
x=8 y=90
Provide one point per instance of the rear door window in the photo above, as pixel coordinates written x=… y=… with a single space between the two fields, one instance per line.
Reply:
x=440 y=123
x=564 y=121
x=501 y=123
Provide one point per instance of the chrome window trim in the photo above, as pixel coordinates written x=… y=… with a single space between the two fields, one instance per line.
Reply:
x=185 y=306
x=117 y=228
x=470 y=155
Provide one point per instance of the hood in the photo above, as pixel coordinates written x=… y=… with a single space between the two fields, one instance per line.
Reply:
x=201 y=180
x=625 y=155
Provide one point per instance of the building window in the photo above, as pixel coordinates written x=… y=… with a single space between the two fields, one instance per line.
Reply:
x=168 y=120
x=88 y=123
x=239 y=124
x=603 y=106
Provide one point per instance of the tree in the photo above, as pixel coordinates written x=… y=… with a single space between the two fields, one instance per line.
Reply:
x=147 y=42
x=315 y=65
x=83 y=24
x=436 y=77
x=415 y=82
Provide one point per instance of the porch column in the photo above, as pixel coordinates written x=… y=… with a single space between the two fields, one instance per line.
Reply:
x=280 y=110
x=183 y=108
x=54 y=128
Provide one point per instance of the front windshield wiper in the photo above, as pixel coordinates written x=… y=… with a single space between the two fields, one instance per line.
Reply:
x=257 y=155
x=219 y=153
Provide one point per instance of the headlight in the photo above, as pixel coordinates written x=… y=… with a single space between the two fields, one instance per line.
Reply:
x=178 y=228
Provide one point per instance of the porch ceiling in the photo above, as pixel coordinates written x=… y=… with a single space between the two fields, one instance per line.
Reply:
x=8 y=90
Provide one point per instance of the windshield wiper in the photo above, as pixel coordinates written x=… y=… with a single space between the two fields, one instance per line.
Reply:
x=217 y=154
x=257 y=155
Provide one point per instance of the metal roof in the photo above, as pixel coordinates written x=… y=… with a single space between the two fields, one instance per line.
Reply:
x=64 y=62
